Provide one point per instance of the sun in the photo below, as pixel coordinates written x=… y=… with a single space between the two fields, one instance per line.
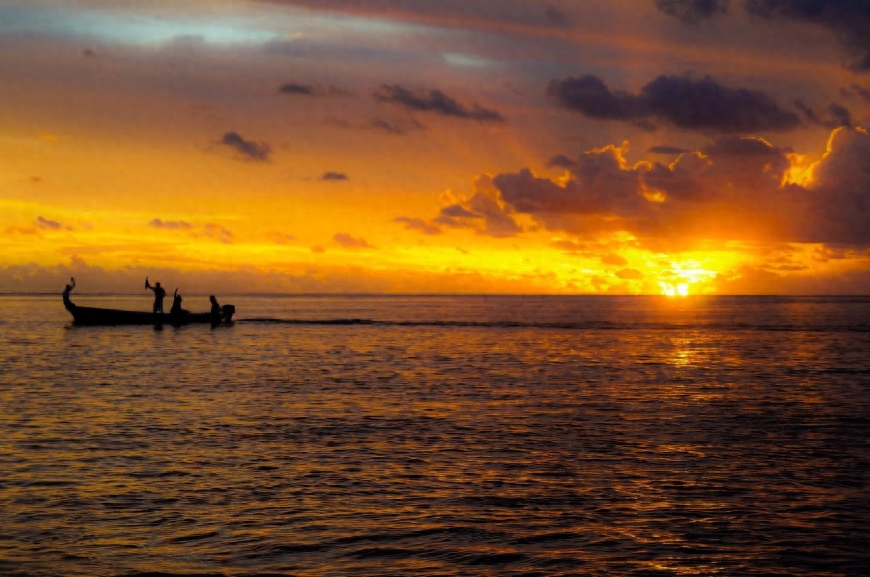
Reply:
x=675 y=290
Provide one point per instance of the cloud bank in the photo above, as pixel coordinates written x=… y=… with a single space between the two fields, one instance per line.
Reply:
x=683 y=101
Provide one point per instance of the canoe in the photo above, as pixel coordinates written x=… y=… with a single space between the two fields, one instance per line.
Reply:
x=98 y=316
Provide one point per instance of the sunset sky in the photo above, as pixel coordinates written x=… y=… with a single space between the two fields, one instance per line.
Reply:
x=473 y=146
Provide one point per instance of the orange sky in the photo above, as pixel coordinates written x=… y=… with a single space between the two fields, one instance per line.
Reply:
x=408 y=146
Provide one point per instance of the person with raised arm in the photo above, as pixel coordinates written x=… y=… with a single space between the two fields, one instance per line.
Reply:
x=159 y=295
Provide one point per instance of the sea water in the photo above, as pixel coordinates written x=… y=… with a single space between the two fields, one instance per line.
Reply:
x=438 y=435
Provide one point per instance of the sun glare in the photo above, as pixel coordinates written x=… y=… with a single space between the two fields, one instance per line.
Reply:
x=675 y=290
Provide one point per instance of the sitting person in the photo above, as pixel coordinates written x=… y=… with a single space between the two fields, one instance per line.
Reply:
x=216 y=313
x=176 y=311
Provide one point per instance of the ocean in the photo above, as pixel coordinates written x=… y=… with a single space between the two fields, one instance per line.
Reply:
x=438 y=435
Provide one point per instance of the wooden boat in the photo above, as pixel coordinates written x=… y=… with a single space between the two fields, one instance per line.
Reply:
x=99 y=316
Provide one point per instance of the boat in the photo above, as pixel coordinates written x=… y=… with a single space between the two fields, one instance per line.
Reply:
x=100 y=316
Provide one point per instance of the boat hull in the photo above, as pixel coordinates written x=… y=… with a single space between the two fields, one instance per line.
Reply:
x=99 y=316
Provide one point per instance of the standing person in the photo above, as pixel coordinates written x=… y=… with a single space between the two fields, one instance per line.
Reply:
x=66 y=291
x=159 y=294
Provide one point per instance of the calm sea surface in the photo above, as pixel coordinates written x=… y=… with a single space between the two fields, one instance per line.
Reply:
x=439 y=436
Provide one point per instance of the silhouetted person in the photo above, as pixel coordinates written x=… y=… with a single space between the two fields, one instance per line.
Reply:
x=215 y=310
x=66 y=291
x=176 y=312
x=159 y=294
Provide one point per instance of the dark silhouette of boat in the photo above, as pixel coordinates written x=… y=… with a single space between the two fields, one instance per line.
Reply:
x=100 y=316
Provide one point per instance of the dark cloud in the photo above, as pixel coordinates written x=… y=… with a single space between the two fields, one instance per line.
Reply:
x=170 y=224
x=600 y=185
x=736 y=188
x=848 y=19
x=561 y=161
x=333 y=176
x=435 y=101
x=395 y=127
x=296 y=88
x=45 y=223
x=839 y=196
x=689 y=103
x=392 y=126
x=249 y=149
x=837 y=115
x=348 y=241
x=664 y=149
x=299 y=89
x=857 y=90
x=692 y=11
x=840 y=114
x=456 y=211
x=418 y=224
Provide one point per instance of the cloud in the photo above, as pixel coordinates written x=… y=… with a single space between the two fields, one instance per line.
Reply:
x=664 y=149
x=333 y=176
x=692 y=11
x=629 y=274
x=463 y=15
x=217 y=232
x=24 y=230
x=395 y=126
x=484 y=211
x=686 y=102
x=839 y=197
x=170 y=224
x=348 y=241
x=837 y=115
x=44 y=223
x=560 y=161
x=418 y=224
x=251 y=150
x=613 y=259
x=735 y=188
x=281 y=237
x=390 y=126
x=434 y=101
x=857 y=90
x=210 y=230
x=299 y=89
x=848 y=19
x=295 y=88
